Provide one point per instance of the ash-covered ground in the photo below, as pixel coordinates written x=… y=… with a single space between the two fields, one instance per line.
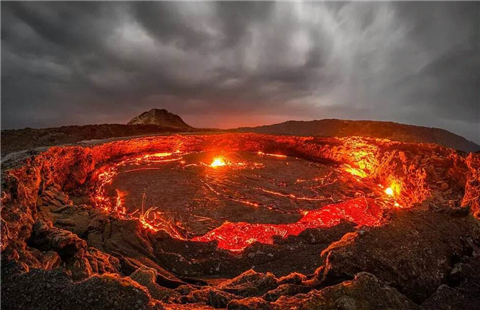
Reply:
x=242 y=221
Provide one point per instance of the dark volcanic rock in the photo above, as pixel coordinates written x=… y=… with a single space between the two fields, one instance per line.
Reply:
x=364 y=292
x=462 y=290
x=250 y=283
x=208 y=295
x=219 y=299
x=285 y=290
x=253 y=303
x=148 y=277
x=414 y=252
x=46 y=237
x=52 y=290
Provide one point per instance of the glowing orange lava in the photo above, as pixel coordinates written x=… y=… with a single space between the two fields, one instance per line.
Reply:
x=218 y=162
x=238 y=236
x=389 y=191
x=354 y=171
x=394 y=189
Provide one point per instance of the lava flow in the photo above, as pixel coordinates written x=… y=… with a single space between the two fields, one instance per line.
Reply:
x=237 y=236
x=252 y=198
x=218 y=162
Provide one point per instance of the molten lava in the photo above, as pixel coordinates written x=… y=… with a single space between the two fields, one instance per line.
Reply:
x=389 y=191
x=218 y=162
x=354 y=171
x=237 y=236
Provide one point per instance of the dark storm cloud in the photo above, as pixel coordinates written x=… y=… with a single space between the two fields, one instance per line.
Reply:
x=227 y=63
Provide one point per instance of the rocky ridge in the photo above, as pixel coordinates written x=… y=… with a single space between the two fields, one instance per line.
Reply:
x=373 y=129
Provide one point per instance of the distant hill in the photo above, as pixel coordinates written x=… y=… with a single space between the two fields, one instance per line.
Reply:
x=375 y=129
x=163 y=122
x=159 y=117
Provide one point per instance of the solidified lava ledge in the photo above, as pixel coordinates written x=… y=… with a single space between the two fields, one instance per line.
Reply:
x=242 y=221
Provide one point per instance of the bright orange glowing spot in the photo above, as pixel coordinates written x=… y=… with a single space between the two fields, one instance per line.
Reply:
x=357 y=172
x=394 y=189
x=218 y=162
x=389 y=191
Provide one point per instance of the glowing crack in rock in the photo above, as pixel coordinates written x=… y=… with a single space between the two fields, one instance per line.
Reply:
x=238 y=236
x=273 y=155
x=151 y=218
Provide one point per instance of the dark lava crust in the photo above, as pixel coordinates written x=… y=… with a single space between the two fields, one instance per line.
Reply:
x=61 y=251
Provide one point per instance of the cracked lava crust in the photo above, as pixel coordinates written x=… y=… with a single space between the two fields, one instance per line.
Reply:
x=242 y=221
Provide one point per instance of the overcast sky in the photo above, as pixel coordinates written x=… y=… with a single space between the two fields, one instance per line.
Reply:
x=227 y=64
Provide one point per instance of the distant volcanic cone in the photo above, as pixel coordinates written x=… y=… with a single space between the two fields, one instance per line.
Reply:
x=159 y=117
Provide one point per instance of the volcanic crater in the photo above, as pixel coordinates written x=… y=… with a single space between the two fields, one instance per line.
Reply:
x=218 y=197
x=243 y=221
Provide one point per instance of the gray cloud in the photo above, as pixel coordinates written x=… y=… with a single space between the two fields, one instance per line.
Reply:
x=232 y=64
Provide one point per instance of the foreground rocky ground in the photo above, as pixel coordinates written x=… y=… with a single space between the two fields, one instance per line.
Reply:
x=59 y=251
